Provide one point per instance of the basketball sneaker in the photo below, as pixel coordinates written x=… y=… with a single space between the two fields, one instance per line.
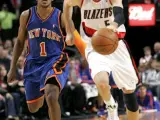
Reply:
x=102 y=113
x=113 y=112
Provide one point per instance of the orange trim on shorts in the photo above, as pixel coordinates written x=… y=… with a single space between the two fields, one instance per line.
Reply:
x=79 y=43
x=29 y=18
x=54 y=66
x=55 y=79
x=35 y=100
x=133 y=62
x=66 y=62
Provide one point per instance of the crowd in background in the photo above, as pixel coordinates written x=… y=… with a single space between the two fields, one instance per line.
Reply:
x=80 y=96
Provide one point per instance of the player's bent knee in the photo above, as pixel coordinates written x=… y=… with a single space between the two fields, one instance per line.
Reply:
x=33 y=108
x=101 y=79
x=52 y=93
x=131 y=102
x=51 y=97
x=103 y=86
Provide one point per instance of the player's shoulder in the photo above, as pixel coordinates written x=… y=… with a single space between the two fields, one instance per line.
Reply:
x=57 y=9
x=25 y=14
x=74 y=2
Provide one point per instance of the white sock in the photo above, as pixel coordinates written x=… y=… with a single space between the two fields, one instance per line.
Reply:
x=110 y=102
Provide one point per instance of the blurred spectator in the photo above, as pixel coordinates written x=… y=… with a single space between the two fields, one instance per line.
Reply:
x=147 y=55
x=16 y=3
x=11 y=99
x=74 y=75
x=8 y=45
x=142 y=71
x=6 y=22
x=2 y=103
x=143 y=1
x=145 y=98
x=14 y=40
x=89 y=86
x=156 y=49
x=4 y=58
x=148 y=1
x=20 y=68
x=150 y=75
x=85 y=72
x=73 y=91
x=3 y=85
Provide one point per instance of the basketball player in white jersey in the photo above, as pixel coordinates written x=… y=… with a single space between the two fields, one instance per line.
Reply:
x=96 y=14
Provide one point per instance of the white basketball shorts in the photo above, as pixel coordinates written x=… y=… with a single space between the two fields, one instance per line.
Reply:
x=120 y=63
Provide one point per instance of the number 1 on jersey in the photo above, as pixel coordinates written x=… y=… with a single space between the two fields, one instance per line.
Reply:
x=43 y=49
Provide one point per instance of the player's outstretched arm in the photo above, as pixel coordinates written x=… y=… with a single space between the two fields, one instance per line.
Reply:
x=19 y=45
x=68 y=6
x=79 y=43
x=118 y=14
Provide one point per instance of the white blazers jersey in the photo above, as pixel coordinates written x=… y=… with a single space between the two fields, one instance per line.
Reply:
x=96 y=14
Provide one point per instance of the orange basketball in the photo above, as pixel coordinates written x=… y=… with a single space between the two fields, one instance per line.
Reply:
x=105 y=41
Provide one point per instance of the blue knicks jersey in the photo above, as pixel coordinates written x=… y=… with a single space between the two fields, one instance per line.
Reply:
x=45 y=38
x=45 y=44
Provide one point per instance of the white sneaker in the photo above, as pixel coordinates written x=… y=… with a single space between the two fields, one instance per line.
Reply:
x=113 y=112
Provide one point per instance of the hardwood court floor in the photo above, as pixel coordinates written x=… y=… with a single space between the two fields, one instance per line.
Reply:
x=149 y=115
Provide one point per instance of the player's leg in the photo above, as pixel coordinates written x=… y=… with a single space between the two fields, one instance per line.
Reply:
x=100 y=67
x=34 y=97
x=101 y=111
x=52 y=91
x=126 y=78
x=131 y=104
x=101 y=80
x=35 y=105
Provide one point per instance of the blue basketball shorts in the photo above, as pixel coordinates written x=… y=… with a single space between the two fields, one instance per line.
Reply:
x=34 y=89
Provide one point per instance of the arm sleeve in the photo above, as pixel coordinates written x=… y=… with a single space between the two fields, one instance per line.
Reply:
x=79 y=43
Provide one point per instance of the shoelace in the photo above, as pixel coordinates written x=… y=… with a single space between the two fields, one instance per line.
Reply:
x=111 y=107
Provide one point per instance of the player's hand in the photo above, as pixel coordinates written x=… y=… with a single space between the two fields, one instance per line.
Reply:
x=11 y=76
x=113 y=26
x=70 y=39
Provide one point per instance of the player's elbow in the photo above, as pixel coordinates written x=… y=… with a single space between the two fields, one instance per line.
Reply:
x=67 y=4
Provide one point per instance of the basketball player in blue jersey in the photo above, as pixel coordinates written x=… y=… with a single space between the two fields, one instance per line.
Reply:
x=46 y=67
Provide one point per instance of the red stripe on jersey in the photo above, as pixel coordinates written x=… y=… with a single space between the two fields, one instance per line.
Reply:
x=90 y=31
x=133 y=62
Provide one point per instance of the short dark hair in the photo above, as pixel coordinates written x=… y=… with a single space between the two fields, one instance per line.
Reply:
x=146 y=48
x=143 y=85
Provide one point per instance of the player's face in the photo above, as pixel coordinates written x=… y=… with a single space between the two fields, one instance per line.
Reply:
x=147 y=52
x=44 y=3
